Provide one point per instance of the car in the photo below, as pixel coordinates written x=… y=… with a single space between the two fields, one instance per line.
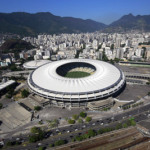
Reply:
x=17 y=139
x=102 y=123
x=68 y=131
x=93 y=124
x=39 y=144
x=84 y=126
x=76 y=129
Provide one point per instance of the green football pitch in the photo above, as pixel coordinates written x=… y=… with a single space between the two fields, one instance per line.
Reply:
x=77 y=74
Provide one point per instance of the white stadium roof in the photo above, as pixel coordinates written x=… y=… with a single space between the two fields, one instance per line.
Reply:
x=46 y=81
x=35 y=64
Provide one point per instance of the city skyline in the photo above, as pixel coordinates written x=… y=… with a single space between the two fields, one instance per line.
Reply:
x=101 y=11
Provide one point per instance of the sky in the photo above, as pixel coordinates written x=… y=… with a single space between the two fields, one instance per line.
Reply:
x=105 y=11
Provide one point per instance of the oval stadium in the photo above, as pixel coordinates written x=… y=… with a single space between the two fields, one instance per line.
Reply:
x=35 y=64
x=75 y=82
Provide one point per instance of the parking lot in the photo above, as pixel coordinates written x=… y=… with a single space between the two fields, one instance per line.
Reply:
x=56 y=113
x=134 y=92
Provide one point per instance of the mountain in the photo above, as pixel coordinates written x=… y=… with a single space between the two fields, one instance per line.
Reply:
x=131 y=22
x=15 y=45
x=31 y=24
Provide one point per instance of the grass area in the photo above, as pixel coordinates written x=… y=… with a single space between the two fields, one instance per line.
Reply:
x=138 y=65
x=77 y=74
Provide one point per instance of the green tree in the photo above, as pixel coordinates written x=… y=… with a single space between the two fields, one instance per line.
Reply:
x=54 y=123
x=35 y=130
x=116 y=60
x=133 y=123
x=91 y=133
x=83 y=114
x=80 y=121
x=100 y=131
x=24 y=93
x=75 y=117
x=100 y=46
x=37 y=108
x=85 y=136
x=112 y=47
x=51 y=145
x=112 y=62
x=41 y=148
x=70 y=121
x=88 y=119
x=104 y=57
x=33 y=138
x=125 y=125
x=119 y=126
x=144 y=52
x=9 y=143
x=60 y=142
x=1 y=105
x=79 y=138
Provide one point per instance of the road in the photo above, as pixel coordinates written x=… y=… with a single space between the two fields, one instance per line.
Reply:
x=68 y=132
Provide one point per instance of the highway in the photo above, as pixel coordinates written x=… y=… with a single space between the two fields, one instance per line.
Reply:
x=68 y=132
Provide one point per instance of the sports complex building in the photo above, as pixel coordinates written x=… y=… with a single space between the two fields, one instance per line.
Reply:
x=75 y=82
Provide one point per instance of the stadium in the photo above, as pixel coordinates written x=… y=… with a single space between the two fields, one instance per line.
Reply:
x=35 y=64
x=75 y=82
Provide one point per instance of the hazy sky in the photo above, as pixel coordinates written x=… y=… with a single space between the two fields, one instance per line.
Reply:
x=105 y=11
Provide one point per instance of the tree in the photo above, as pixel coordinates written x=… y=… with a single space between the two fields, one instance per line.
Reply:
x=37 y=108
x=133 y=123
x=125 y=125
x=83 y=114
x=119 y=126
x=60 y=142
x=79 y=138
x=91 y=133
x=112 y=62
x=85 y=136
x=41 y=148
x=75 y=117
x=104 y=57
x=70 y=121
x=144 y=52
x=100 y=131
x=13 y=67
x=116 y=60
x=88 y=119
x=35 y=130
x=9 y=143
x=100 y=46
x=112 y=47
x=80 y=121
x=1 y=105
x=37 y=134
x=24 y=93
x=51 y=145
x=54 y=123
x=33 y=138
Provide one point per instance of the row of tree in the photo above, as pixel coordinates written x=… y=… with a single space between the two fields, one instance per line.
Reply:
x=79 y=118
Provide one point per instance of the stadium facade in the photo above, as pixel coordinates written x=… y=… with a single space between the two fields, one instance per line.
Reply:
x=50 y=81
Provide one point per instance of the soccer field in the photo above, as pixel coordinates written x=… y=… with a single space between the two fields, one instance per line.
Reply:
x=77 y=74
